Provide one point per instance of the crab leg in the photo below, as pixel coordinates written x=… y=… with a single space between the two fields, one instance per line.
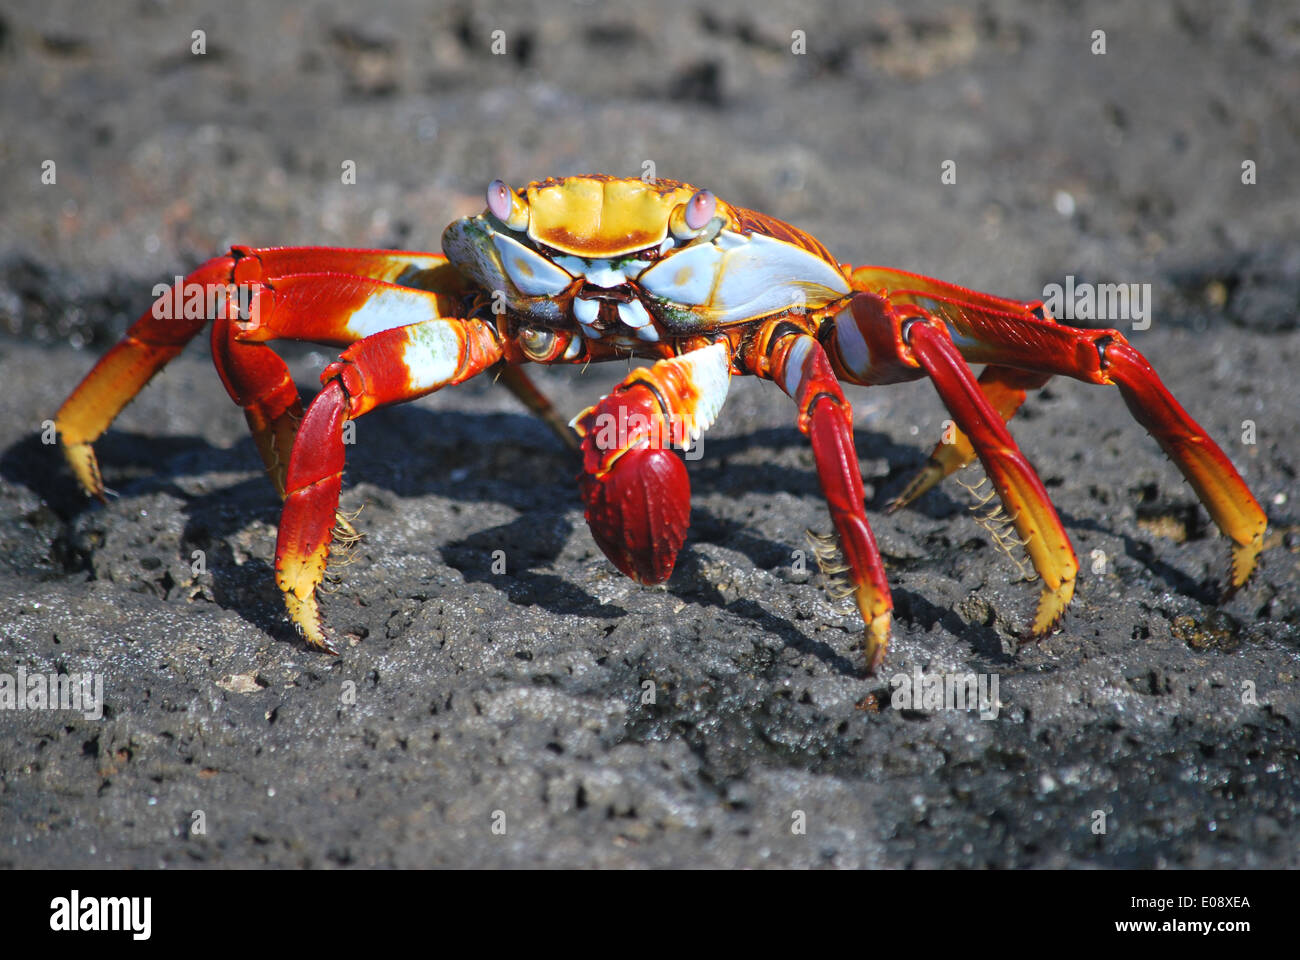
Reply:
x=903 y=287
x=341 y=308
x=989 y=330
x=335 y=308
x=872 y=341
x=1211 y=474
x=259 y=381
x=254 y=380
x=391 y=366
x=1017 y=484
x=634 y=485
x=1005 y=388
x=122 y=372
x=800 y=367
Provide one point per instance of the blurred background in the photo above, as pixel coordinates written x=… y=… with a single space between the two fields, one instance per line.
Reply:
x=1123 y=166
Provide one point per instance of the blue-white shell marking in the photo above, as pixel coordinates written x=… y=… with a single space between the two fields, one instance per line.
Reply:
x=700 y=286
x=737 y=277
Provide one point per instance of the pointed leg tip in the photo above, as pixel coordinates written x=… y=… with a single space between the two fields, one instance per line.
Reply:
x=85 y=467
x=877 y=642
x=1243 y=565
x=927 y=477
x=306 y=618
x=323 y=644
x=344 y=532
x=1034 y=634
x=1051 y=610
x=931 y=475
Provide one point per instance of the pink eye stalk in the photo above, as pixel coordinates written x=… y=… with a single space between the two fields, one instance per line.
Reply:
x=700 y=209
x=500 y=199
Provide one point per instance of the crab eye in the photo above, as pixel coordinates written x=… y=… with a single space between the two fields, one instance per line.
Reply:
x=538 y=344
x=700 y=209
x=499 y=199
x=691 y=220
x=507 y=206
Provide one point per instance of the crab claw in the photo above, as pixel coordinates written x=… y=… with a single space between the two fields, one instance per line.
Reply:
x=637 y=493
x=639 y=511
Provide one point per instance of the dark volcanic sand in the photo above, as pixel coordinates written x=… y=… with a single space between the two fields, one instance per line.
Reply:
x=462 y=692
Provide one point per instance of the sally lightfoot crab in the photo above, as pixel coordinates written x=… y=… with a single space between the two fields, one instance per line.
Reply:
x=591 y=268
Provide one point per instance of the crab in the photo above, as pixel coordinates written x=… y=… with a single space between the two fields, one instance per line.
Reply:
x=582 y=269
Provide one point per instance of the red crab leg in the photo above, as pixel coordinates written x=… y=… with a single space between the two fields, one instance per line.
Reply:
x=869 y=345
x=338 y=308
x=1211 y=474
x=389 y=367
x=903 y=287
x=259 y=381
x=799 y=366
x=162 y=331
x=1017 y=484
x=122 y=372
x=634 y=485
x=1005 y=388
x=335 y=308
x=1023 y=336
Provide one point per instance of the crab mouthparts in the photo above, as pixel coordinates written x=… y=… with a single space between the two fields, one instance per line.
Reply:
x=598 y=309
x=623 y=293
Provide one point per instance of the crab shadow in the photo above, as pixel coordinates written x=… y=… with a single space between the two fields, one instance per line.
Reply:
x=509 y=557
x=938 y=504
x=522 y=468
x=689 y=581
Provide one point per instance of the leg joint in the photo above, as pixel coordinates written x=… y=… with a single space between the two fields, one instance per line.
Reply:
x=1101 y=343
x=351 y=381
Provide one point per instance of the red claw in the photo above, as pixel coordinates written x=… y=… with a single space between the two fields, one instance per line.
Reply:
x=637 y=493
x=639 y=512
